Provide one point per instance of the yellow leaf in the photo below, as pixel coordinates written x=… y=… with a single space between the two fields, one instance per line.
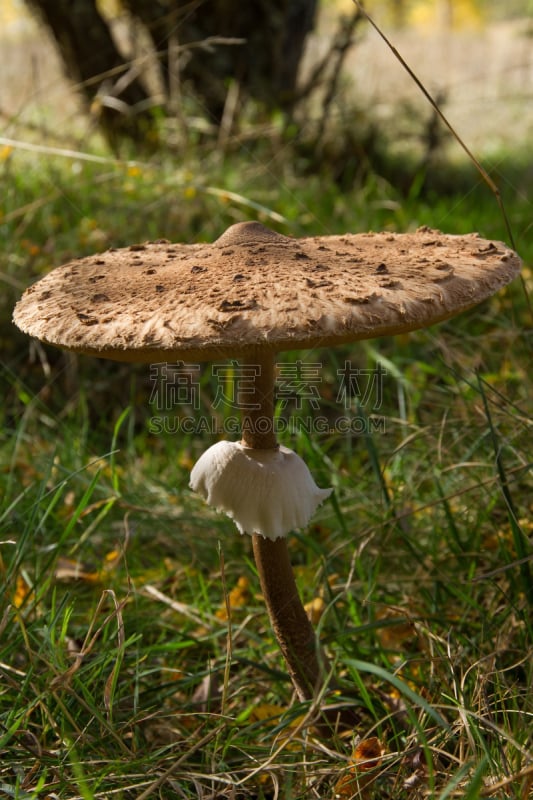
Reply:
x=397 y=631
x=238 y=597
x=22 y=592
x=314 y=609
x=111 y=559
x=266 y=711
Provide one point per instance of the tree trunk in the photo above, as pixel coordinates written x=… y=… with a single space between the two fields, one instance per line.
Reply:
x=264 y=66
x=92 y=60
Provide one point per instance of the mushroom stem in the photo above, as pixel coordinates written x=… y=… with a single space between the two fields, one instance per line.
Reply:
x=307 y=663
x=257 y=402
x=290 y=622
x=294 y=632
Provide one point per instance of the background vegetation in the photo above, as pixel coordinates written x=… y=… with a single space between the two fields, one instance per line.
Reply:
x=136 y=659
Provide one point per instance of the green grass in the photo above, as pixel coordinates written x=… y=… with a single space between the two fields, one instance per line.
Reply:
x=113 y=574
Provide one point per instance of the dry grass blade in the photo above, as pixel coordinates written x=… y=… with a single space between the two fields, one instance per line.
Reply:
x=66 y=153
x=181 y=760
x=62 y=680
x=524 y=776
x=181 y=608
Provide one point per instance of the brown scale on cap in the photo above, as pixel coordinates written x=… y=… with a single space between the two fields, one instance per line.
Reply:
x=256 y=288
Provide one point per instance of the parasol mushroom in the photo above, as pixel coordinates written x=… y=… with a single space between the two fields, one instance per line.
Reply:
x=249 y=295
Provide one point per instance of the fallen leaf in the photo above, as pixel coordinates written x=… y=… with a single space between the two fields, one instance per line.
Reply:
x=22 y=592
x=207 y=696
x=366 y=757
x=69 y=569
x=238 y=597
x=314 y=609
x=367 y=754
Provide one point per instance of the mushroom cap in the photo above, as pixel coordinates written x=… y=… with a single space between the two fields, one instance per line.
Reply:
x=254 y=288
x=269 y=492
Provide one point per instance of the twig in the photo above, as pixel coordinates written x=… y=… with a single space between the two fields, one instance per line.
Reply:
x=480 y=168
